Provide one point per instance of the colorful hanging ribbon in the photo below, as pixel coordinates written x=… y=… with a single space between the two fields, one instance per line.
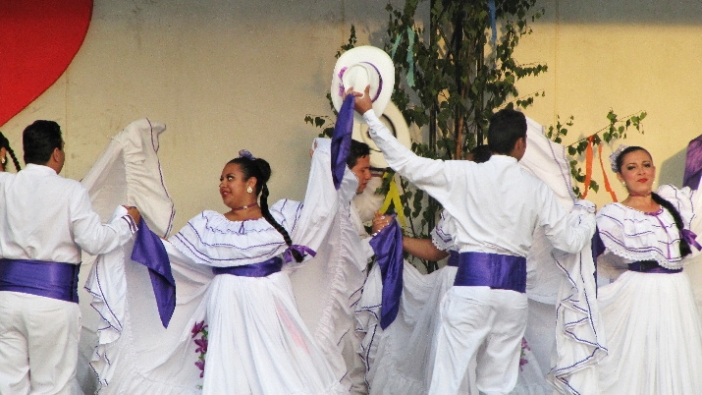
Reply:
x=393 y=196
x=588 y=166
x=608 y=187
x=410 y=53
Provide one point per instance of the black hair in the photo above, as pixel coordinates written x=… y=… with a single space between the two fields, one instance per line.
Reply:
x=506 y=127
x=39 y=141
x=684 y=245
x=481 y=154
x=358 y=150
x=5 y=143
x=260 y=169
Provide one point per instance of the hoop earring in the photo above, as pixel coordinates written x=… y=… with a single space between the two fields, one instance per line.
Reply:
x=249 y=189
x=3 y=161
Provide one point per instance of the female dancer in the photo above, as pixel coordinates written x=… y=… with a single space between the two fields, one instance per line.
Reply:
x=4 y=150
x=229 y=270
x=649 y=313
x=258 y=343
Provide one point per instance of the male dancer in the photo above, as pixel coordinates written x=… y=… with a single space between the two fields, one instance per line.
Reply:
x=496 y=211
x=45 y=222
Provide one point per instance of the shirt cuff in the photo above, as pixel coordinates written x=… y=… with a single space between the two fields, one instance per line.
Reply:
x=586 y=205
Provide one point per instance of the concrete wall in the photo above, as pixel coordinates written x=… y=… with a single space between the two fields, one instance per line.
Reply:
x=226 y=75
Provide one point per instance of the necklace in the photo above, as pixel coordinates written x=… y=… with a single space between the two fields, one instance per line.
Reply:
x=252 y=205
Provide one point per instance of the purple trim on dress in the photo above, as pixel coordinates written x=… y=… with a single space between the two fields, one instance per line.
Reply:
x=387 y=245
x=150 y=252
x=55 y=280
x=300 y=249
x=651 y=267
x=496 y=271
x=261 y=269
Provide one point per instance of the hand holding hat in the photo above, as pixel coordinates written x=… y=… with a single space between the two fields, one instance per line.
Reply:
x=363 y=102
x=361 y=67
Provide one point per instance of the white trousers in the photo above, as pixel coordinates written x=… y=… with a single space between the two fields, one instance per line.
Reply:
x=38 y=344
x=480 y=323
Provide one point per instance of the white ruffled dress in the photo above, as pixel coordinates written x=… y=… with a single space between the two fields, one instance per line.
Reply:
x=651 y=319
x=257 y=341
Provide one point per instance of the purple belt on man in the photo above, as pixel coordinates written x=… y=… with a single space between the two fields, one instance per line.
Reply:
x=496 y=271
x=261 y=269
x=56 y=280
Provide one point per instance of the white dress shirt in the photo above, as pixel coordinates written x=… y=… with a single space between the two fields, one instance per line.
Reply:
x=46 y=217
x=496 y=205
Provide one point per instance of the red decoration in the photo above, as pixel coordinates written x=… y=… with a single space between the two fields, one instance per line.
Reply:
x=38 y=40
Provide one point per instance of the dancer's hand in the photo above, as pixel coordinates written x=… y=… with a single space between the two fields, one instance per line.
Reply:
x=380 y=221
x=362 y=102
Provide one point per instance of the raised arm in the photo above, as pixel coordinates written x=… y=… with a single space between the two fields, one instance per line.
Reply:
x=435 y=176
x=570 y=231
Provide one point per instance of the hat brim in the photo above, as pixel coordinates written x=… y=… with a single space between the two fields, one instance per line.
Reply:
x=380 y=60
x=393 y=119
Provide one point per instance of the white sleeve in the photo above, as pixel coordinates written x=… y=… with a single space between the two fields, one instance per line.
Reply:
x=90 y=234
x=322 y=200
x=437 y=177
x=568 y=232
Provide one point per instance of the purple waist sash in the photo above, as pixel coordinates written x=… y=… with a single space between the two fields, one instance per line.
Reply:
x=651 y=267
x=56 y=280
x=261 y=269
x=453 y=259
x=491 y=270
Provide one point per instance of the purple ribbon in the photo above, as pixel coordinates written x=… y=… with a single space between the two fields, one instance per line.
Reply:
x=691 y=238
x=261 y=269
x=302 y=250
x=453 y=259
x=150 y=252
x=55 y=280
x=387 y=245
x=491 y=270
x=693 y=164
x=380 y=81
x=651 y=267
x=341 y=140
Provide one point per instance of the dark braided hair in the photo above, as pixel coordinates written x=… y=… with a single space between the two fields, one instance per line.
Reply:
x=5 y=143
x=259 y=168
x=684 y=245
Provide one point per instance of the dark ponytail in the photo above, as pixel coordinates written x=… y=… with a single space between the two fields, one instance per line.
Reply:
x=5 y=143
x=684 y=245
x=259 y=168
x=263 y=203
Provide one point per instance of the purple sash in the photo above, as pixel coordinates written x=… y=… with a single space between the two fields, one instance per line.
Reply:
x=261 y=269
x=491 y=270
x=453 y=259
x=341 y=140
x=651 y=267
x=56 y=280
x=150 y=252
x=387 y=245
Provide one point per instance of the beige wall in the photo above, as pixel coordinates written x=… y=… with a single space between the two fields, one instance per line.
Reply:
x=222 y=75
x=226 y=75
x=628 y=56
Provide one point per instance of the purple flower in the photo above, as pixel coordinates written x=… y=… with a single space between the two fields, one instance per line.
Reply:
x=246 y=154
x=201 y=365
x=197 y=328
x=201 y=346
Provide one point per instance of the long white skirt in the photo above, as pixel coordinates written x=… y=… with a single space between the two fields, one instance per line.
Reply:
x=258 y=343
x=400 y=360
x=654 y=335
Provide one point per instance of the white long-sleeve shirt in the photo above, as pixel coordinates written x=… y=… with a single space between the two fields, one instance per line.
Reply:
x=46 y=217
x=496 y=205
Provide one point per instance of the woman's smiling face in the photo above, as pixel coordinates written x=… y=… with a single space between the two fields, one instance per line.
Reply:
x=637 y=172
